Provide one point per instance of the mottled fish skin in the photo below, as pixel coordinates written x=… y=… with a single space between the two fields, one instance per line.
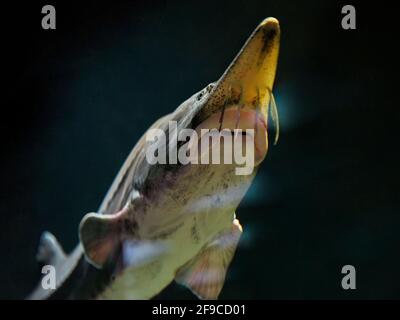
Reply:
x=174 y=239
x=159 y=222
x=132 y=175
x=176 y=218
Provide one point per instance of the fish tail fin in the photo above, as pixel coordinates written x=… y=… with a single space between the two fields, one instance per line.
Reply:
x=50 y=253
x=49 y=250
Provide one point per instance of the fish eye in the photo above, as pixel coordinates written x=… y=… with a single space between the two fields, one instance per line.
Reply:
x=200 y=96
x=209 y=87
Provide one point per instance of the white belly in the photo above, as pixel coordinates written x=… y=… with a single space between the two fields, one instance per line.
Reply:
x=153 y=263
x=173 y=231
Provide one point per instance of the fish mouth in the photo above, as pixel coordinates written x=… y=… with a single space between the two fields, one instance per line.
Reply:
x=237 y=120
x=240 y=99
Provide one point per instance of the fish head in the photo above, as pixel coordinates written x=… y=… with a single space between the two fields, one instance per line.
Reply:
x=242 y=97
x=239 y=101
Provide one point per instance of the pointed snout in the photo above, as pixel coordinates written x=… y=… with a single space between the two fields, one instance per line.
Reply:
x=250 y=77
x=253 y=71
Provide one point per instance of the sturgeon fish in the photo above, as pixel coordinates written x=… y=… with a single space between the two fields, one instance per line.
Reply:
x=165 y=222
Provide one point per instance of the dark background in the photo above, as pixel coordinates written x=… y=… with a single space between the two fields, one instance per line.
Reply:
x=76 y=99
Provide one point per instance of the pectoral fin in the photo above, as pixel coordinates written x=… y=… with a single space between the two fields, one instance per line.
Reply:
x=205 y=274
x=100 y=235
